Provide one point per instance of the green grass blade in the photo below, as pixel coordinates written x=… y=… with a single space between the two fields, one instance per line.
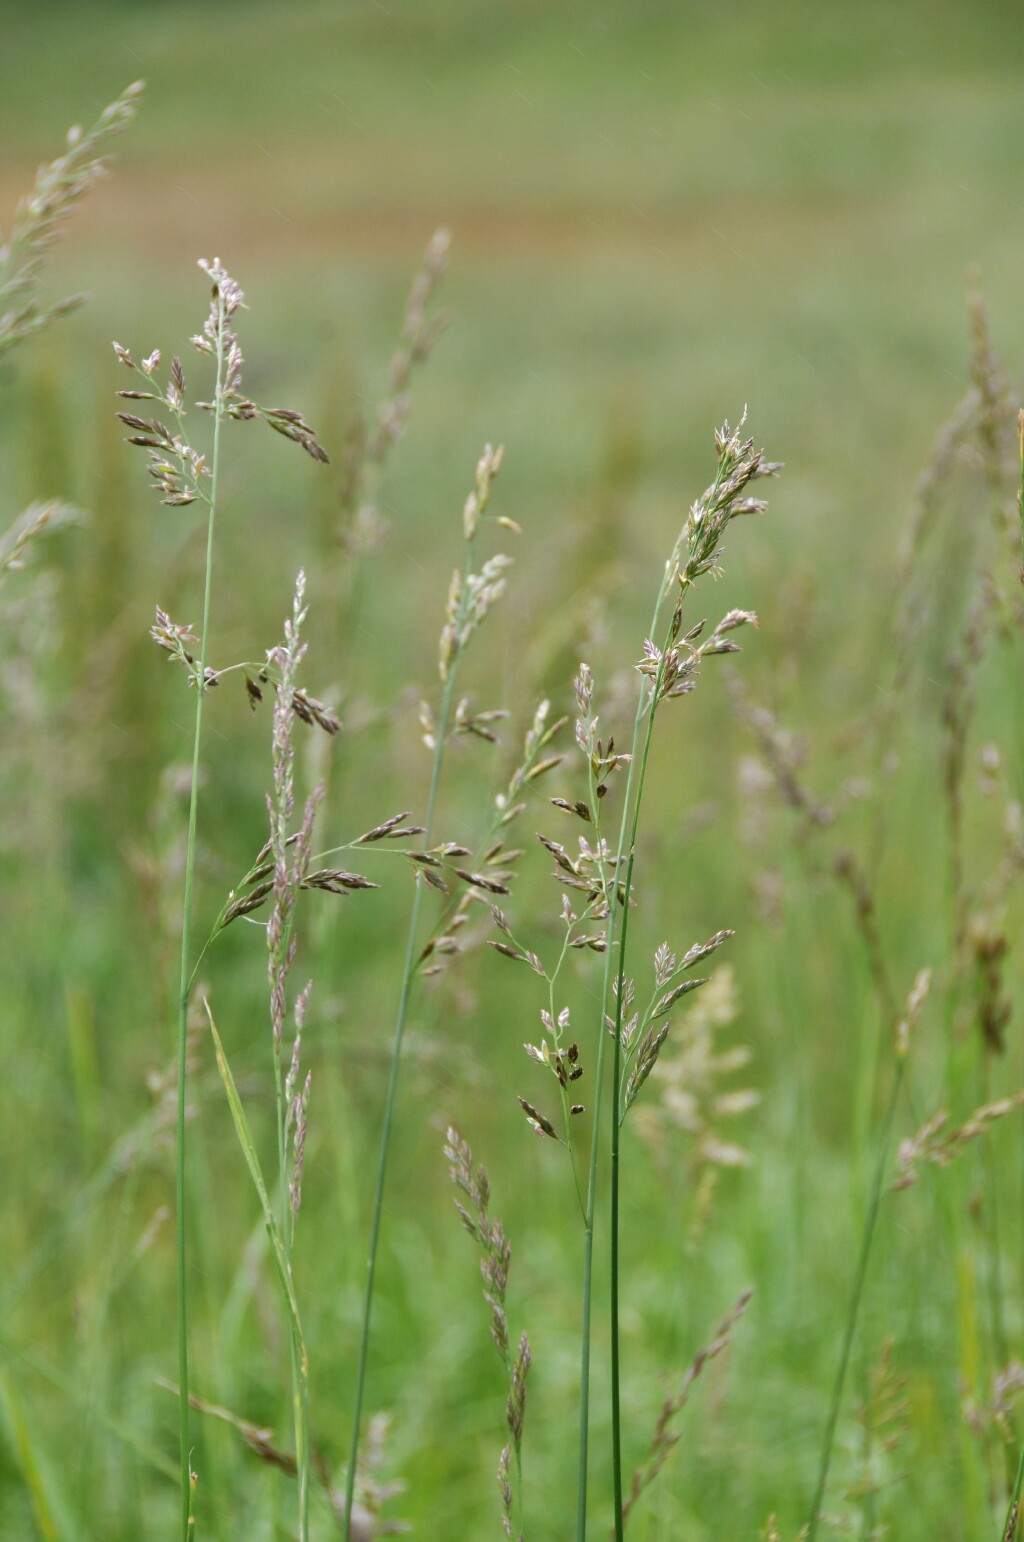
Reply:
x=49 y=1506
x=252 y=1161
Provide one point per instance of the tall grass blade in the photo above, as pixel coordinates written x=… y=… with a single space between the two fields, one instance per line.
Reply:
x=252 y=1162
x=49 y=1506
x=300 y=1359
x=901 y=1041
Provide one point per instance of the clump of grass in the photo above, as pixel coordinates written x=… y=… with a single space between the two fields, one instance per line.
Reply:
x=601 y=880
x=183 y=474
x=600 y=904
x=955 y=613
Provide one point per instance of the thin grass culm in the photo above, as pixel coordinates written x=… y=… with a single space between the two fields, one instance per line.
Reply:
x=1013 y=1512
x=183 y=475
x=470 y=597
x=901 y=1044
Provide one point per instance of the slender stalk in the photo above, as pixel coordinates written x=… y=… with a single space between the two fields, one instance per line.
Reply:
x=1013 y=1513
x=187 y=1517
x=297 y=1362
x=617 y=1122
x=853 y=1312
x=614 y=1293
x=408 y=977
x=588 y=1239
x=1020 y=491
x=300 y=1396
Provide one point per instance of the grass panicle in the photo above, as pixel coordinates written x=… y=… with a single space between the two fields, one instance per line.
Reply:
x=496 y=1257
x=42 y=217
x=368 y=446
x=664 y=1436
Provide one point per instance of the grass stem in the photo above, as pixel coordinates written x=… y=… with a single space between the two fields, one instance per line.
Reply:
x=853 y=1312
x=187 y=1517
x=617 y=1109
x=588 y=1241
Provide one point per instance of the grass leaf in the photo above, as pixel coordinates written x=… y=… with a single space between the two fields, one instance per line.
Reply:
x=252 y=1161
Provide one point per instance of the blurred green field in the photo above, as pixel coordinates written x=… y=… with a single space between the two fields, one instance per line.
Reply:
x=659 y=213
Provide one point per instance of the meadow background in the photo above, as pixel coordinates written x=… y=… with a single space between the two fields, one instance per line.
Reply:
x=659 y=213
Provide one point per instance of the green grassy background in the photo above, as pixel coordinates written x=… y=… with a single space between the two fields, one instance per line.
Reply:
x=659 y=213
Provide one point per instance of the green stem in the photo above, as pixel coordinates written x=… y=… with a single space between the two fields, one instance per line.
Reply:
x=581 y=1491
x=408 y=976
x=1020 y=491
x=588 y=1235
x=617 y=1121
x=588 y=1239
x=860 y=1276
x=300 y=1402
x=299 y=1373
x=1013 y=1512
x=186 y=943
x=614 y=1305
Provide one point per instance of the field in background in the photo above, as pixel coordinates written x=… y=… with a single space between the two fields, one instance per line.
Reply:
x=659 y=214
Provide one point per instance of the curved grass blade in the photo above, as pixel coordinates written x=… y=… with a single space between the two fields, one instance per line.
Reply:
x=252 y=1161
